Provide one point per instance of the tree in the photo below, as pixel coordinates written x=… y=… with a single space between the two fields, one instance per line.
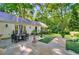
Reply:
x=74 y=22
x=59 y=17
x=19 y=9
x=56 y=16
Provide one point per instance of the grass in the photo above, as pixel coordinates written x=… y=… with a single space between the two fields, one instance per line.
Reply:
x=46 y=39
x=71 y=44
x=74 y=46
x=3 y=47
x=53 y=35
x=4 y=37
x=68 y=37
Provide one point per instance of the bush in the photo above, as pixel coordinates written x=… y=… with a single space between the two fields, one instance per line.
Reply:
x=74 y=46
x=34 y=32
x=46 y=39
x=67 y=33
x=77 y=35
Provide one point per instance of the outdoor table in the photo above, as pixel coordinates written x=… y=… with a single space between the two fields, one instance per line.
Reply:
x=14 y=38
x=24 y=36
x=19 y=37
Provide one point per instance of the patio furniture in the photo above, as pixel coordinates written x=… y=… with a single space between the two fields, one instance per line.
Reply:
x=27 y=36
x=15 y=38
x=19 y=37
x=12 y=37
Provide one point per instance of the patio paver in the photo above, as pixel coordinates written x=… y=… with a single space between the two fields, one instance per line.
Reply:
x=38 y=48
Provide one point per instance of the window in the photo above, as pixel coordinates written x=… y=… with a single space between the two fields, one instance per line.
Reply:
x=30 y=27
x=35 y=28
x=16 y=27
x=6 y=25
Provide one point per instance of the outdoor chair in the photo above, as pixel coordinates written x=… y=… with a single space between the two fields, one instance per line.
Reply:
x=27 y=36
x=13 y=37
x=20 y=38
x=23 y=37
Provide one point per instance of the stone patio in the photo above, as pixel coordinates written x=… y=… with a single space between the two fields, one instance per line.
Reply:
x=55 y=47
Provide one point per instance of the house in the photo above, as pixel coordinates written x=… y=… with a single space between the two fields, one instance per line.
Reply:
x=8 y=23
x=35 y=25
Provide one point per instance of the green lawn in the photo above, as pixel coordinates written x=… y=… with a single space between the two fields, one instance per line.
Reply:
x=4 y=37
x=53 y=35
x=46 y=39
x=71 y=44
x=3 y=47
x=74 y=46
x=49 y=37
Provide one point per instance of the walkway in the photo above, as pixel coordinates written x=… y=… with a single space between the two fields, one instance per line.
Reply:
x=39 y=48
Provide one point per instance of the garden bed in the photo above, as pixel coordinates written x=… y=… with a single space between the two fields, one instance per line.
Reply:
x=74 y=46
x=46 y=39
x=3 y=37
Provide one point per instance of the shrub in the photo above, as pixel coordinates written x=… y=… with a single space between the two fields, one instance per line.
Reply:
x=77 y=35
x=46 y=39
x=74 y=46
x=34 y=32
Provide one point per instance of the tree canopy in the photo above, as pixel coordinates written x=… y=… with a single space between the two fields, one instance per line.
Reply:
x=60 y=17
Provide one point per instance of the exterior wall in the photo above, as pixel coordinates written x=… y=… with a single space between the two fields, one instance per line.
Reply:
x=30 y=28
x=38 y=29
x=6 y=30
x=73 y=33
x=1 y=28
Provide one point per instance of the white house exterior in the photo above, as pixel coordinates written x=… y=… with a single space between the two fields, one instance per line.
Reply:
x=30 y=28
x=8 y=23
x=6 y=28
x=10 y=27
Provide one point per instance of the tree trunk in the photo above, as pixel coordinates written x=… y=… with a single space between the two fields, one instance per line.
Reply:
x=62 y=34
x=41 y=32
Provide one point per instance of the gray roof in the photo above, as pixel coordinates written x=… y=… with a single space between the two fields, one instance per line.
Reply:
x=5 y=17
x=35 y=23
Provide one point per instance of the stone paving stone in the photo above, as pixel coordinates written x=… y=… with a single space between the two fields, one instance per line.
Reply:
x=55 y=47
